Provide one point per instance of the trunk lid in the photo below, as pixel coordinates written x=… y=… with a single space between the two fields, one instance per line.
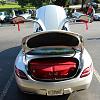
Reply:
x=51 y=38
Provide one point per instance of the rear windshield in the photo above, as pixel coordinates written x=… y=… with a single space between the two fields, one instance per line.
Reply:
x=52 y=51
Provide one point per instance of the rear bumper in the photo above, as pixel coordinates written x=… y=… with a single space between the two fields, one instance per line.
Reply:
x=42 y=88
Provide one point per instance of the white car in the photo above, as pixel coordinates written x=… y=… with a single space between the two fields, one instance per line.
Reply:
x=4 y=16
x=27 y=16
x=77 y=14
x=53 y=60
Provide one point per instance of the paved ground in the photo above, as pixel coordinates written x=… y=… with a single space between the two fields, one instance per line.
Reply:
x=10 y=41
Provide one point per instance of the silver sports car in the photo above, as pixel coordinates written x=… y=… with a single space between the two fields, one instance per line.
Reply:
x=53 y=60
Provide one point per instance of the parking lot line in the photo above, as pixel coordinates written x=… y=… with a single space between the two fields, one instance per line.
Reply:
x=8 y=84
x=97 y=75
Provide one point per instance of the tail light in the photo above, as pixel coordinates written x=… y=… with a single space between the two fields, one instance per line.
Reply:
x=86 y=72
x=20 y=73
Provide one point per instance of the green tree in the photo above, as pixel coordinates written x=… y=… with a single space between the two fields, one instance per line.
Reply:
x=36 y=3
x=23 y=3
x=61 y=2
x=3 y=2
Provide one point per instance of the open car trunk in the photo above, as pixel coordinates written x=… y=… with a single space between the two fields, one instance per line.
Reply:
x=53 y=69
x=52 y=65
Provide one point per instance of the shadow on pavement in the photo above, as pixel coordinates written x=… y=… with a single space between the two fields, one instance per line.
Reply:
x=7 y=59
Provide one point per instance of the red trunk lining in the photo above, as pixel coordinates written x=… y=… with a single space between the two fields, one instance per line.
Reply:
x=55 y=68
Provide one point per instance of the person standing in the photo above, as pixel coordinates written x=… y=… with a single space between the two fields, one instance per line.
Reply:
x=90 y=11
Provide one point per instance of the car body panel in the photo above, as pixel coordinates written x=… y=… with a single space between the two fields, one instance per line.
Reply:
x=42 y=87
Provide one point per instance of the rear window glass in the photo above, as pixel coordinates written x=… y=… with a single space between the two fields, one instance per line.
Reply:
x=52 y=51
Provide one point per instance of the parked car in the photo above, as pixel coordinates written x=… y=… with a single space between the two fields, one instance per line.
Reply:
x=21 y=13
x=77 y=17
x=4 y=16
x=96 y=16
x=27 y=16
x=53 y=60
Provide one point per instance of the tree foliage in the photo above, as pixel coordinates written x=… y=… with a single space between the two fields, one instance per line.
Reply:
x=23 y=3
x=36 y=3
x=2 y=2
x=61 y=2
x=39 y=3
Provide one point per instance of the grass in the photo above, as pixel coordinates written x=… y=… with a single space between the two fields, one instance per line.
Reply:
x=14 y=5
x=9 y=6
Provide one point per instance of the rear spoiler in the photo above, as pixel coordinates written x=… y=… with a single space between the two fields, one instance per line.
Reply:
x=51 y=38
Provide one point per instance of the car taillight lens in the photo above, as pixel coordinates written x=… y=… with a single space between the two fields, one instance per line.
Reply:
x=20 y=73
x=86 y=72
